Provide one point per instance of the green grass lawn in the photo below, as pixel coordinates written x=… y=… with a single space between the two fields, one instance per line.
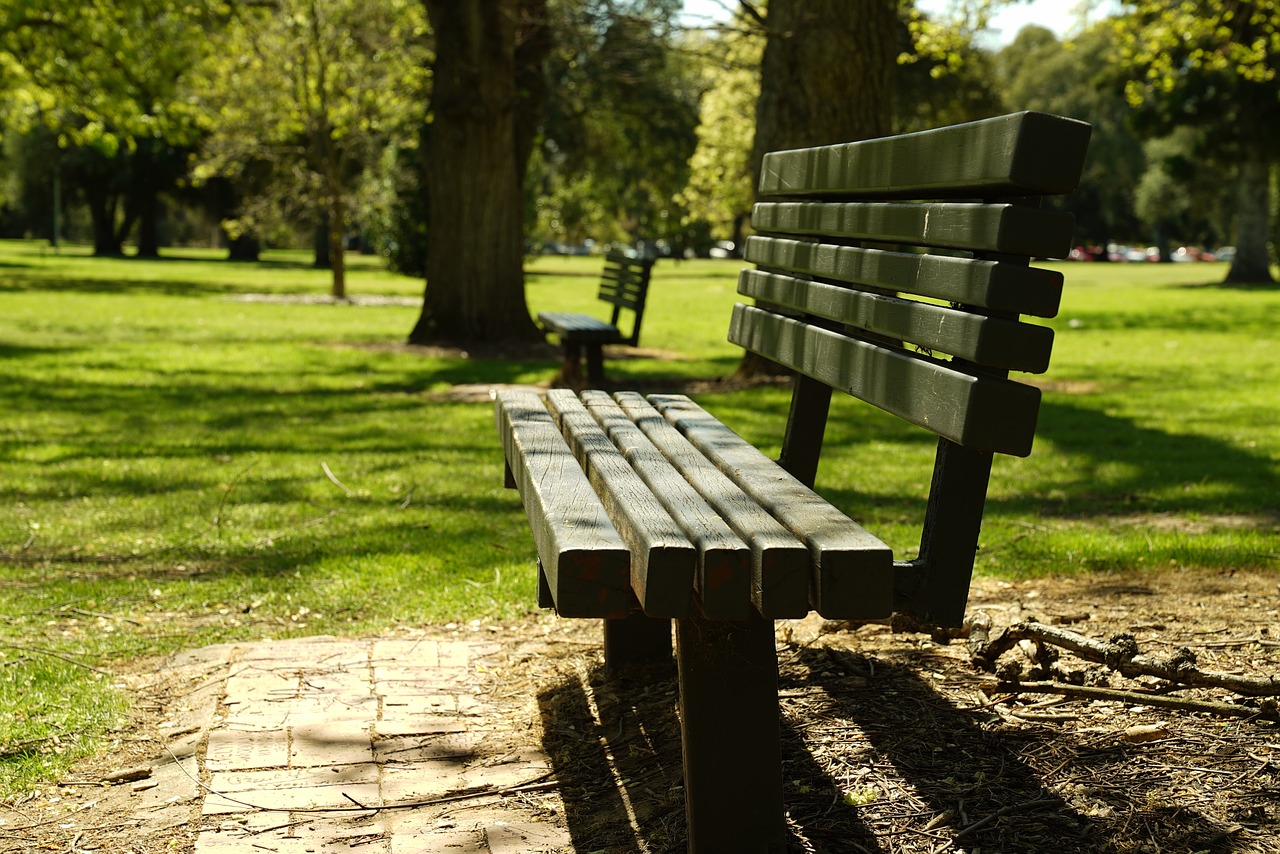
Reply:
x=179 y=466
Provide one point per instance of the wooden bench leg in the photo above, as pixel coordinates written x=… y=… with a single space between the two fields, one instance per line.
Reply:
x=595 y=365
x=571 y=370
x=636 y=640
x=729 y=723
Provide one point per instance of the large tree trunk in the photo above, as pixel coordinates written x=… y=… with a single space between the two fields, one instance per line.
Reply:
x=475 y=257
x=1252 y=264
x=826 y=77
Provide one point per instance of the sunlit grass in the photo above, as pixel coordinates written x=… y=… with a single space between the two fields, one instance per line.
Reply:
x=193 y=468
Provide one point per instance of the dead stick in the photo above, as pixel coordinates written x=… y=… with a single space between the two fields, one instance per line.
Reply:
x=1012 y=808
x=1121 y=655
x=1157 y=700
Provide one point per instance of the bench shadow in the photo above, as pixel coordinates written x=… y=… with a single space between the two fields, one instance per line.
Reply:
x=614 y=743
x=903 y=748
x=874 y=760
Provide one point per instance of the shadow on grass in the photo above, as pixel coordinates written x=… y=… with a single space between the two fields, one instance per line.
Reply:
x=1117 y=468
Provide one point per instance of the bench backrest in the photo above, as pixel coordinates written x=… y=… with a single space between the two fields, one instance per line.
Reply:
x=896 y=270
x=625 y=284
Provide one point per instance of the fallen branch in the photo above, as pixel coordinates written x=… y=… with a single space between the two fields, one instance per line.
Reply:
x=1268 y=711
x=1121 y=654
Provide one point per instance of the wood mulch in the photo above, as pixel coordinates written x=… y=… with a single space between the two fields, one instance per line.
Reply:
x=896 y=742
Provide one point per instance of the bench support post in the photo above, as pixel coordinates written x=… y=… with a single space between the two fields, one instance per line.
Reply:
x=952 y=523
x=729 y=724
x=636 y=640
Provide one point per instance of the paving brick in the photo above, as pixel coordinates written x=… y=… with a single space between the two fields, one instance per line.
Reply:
x=232 y=750
x=330 y=742
x=449 y=746
x=418 y=653
x=524 y=837
x=421 y=781
x=293 y=788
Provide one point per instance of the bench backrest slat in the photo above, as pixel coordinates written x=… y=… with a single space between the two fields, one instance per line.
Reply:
x=980 y=283
x=1007 y=228
x=975 y=410
x=1020 y=154
x=992 y=341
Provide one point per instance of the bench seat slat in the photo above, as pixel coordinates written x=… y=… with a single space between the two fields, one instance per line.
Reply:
x=723 y=577
x=991 y=341
x=1007 y=228
x=852 y=569
x=986 y=284
x=584 y=561
x=1015 y=155
x=662 y=558
x=580 y=326
x=780 y=562
x=981 y=412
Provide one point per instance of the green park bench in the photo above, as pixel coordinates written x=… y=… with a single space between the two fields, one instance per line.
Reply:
x=894 y=270
x=624 y=284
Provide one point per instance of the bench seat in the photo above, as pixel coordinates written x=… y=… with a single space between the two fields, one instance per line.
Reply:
x=698 y=510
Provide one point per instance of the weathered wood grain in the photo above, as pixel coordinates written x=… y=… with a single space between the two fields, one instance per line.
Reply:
x=662 y=558
x=992 y=341
x=852 y=569
x=584 y=561
x=970 y=409
x=723 y=577
x=780 y=561
x=1025 y=153
x=1014 y=288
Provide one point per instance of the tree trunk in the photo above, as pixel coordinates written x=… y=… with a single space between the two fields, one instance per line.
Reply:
x=246 y=247
x=102 y=212
x=320 y=243
x=475 y=257
x=148 y=224
x=337 y=237
x=1252 y=264
x=826 y=77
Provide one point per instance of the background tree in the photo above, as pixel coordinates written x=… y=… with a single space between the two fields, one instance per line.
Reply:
x=1037 y=71
x=475 y=253
x=111 y=79
x=314 y=89
x=719 y=193
x=826 y=77
x=1214 y=65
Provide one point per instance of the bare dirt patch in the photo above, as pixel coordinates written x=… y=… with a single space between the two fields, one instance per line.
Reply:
x=893 y=742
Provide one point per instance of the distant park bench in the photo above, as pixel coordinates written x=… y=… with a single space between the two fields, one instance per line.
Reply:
x=624 y=284
x=648 y=509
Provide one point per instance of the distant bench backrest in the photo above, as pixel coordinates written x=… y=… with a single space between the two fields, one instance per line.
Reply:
x=625 y=284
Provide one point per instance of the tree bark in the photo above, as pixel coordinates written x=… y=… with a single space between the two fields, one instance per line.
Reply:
x=826 y=77
x=337 y=237
x=475 y=256
x=1252 y=264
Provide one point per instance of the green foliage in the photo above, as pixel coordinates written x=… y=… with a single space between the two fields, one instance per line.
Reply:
x=720 y=192
x=619 y=125
x=1078 y=78
x=315 y=91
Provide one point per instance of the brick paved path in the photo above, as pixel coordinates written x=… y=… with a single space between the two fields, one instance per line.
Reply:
x=373 y=746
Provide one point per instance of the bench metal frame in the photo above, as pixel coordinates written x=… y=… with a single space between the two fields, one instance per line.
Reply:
x=644 y=510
